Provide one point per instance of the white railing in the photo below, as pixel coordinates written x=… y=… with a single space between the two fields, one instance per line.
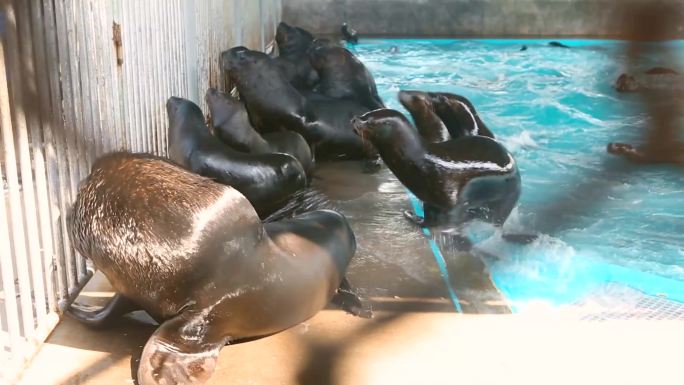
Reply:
x=79 y=78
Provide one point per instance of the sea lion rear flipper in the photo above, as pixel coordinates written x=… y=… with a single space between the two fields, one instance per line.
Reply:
x=98 y=317
x=348 y=300
x=183 y=350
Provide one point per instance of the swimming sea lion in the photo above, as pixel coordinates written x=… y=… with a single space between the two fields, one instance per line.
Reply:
x=267 y=180
x=457 y=180
x=653 y=79
x=343 y=76
x=231 y=124
x=293 y=60
x=557 y=44
x=194 y=254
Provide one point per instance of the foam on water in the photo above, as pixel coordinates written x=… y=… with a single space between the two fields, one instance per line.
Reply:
x=555 y=110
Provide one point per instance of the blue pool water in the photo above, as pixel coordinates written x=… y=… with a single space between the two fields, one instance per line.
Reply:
x=602 y=219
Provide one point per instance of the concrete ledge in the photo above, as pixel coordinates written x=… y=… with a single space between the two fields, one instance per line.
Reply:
x=474 y=18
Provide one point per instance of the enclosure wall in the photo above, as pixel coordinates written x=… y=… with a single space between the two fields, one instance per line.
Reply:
x=472 y=18
x=80 y=78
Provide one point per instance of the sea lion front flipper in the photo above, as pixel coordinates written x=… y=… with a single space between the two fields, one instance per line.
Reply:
x=99 y=317
x=348 y=300
x=183 y=350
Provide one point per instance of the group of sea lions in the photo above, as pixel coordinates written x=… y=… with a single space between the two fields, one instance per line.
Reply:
x=192 y=239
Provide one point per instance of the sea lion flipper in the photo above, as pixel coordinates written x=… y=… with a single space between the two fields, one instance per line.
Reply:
x=98 y=317
x=348 y=300
x=183 y=350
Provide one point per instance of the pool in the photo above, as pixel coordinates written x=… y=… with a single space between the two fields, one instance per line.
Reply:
x=602 y=220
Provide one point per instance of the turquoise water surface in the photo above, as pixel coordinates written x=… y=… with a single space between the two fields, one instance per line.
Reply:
x=601 y=218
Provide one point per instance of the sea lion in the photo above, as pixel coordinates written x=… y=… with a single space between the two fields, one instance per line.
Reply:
x=557 y=44
x=293 y=60
x=194 y=254
x=653 y=79
x=273 y=102
x=343 y=76
x=459 y=115
x=457 y=180
x=267 y=180
x=231 y=124
x=348 y=34
x=419 y=105
x=672 y=154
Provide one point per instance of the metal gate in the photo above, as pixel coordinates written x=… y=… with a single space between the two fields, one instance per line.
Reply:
x=79 y=78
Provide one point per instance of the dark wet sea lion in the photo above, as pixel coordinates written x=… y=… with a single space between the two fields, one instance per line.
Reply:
x=273 y=102
x=194 y=254
x=340 y=142
x=293 y=60
x=267 y=180
x=343 y=76
x=349 y=34
x=654 y=79
x=457 y=180
x=419 y=105
x=673 y=154
x=660 y=71
x=557 y=44
x=231 y=124
x=459 y=115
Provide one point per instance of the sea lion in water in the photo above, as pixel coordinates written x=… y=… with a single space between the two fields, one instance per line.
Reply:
x=293 y=60
x=557 y=44
x=267 y=180
x=231 y=124
x=419 y=105
x=472 y=177
x=194 y=254
x=348 y=34
x=272 y=102
x=343 y=76
x=653 y=79
x=673 y=154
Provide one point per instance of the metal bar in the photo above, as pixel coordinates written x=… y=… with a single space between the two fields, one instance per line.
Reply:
x=135 y=101
x=156 y=40
x=44 y=183
x=76 y=52
x=70 y=129
x=37 y=197
x=15 y=113
x=191 y=49
x=180 y=49
x=87 y=126
x=116 y=75
x=145 y=73
x=135 y=27
x=98 y=97
x=85 y=60
x=56 y=149
x=103 y=52
x=167 y=65
x=6 y=265
x=131 y=120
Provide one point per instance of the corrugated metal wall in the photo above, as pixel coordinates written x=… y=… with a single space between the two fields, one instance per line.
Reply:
x=79 y=78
